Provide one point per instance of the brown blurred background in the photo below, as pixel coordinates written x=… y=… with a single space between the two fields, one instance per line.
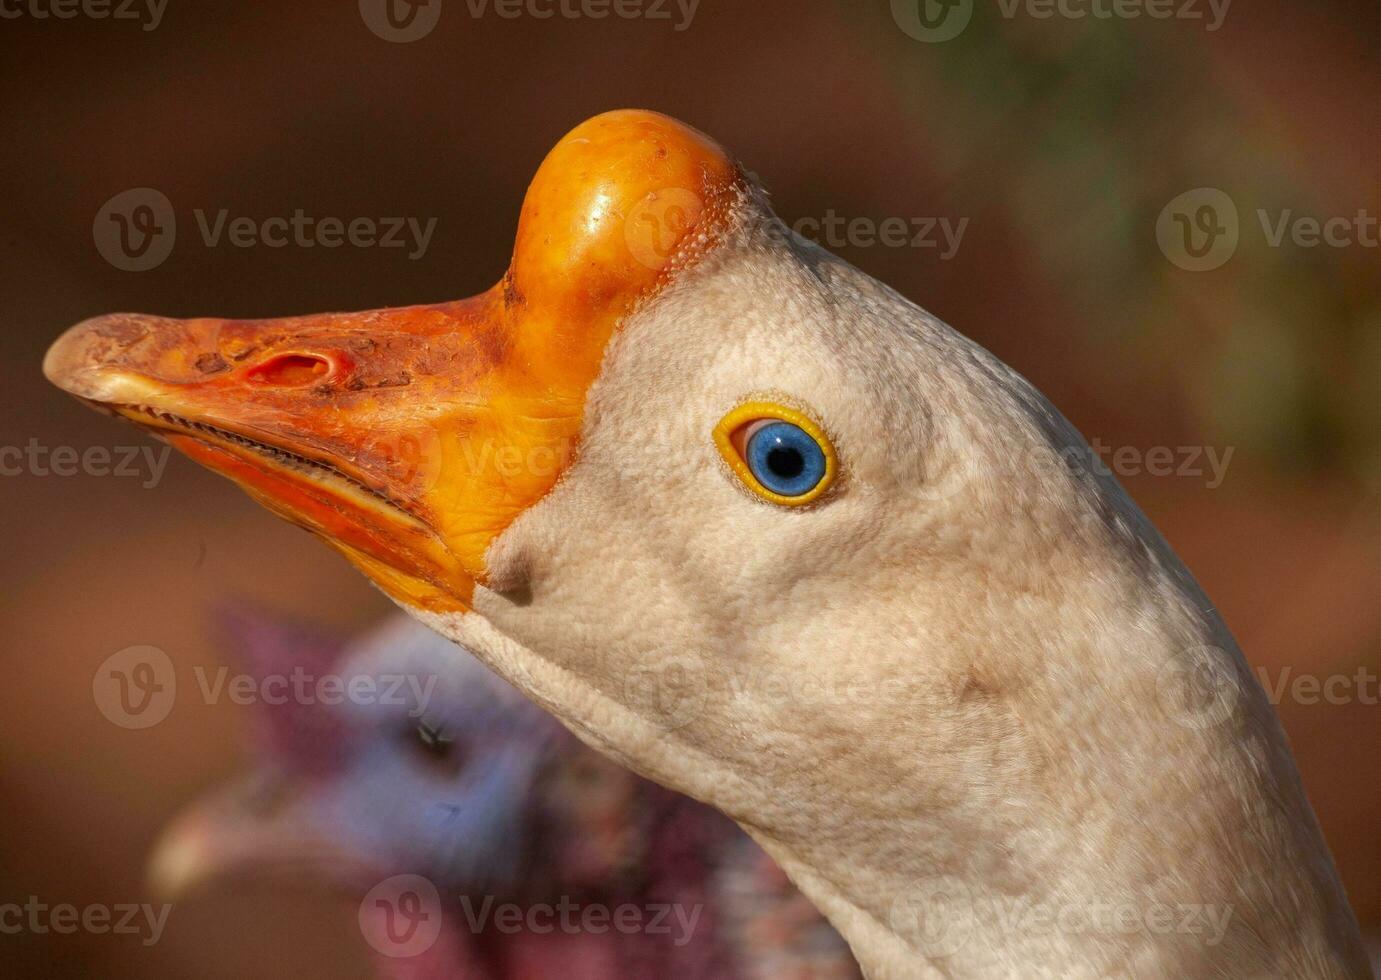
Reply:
x=1060 y=140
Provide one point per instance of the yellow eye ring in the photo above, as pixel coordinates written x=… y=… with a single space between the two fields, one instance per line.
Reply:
x=804 y=438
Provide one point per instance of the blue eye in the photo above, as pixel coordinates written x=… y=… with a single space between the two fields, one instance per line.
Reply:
x=785 y=459
x=779 y=453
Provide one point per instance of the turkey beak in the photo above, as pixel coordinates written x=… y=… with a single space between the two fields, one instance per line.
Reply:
x=410 y=438
x=254 y=828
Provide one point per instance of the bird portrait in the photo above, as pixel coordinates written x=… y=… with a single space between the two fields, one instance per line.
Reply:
x=596 y=489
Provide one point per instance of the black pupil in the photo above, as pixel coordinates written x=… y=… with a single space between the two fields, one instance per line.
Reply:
x=434 y=741
x=785 y=462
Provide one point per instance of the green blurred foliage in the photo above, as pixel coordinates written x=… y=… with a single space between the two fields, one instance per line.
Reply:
x=1100 y=126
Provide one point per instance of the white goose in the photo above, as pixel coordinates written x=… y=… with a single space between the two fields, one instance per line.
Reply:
x=819 y=561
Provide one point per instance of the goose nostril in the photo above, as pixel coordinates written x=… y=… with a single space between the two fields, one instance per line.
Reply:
x=291 y=370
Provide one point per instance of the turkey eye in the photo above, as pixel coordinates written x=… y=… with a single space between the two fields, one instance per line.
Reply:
x=437 y=747
x=433 y=738
x=777 y=452
x=784 y=458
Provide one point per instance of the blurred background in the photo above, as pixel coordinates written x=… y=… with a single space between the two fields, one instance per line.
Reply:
x=1071 y=160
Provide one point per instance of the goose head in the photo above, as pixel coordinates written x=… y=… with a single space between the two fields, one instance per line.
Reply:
x=762 y=529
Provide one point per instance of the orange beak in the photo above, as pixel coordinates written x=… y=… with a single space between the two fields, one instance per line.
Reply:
x=410 y=438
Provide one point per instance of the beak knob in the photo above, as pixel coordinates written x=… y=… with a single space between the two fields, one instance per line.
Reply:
x=623 y=201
